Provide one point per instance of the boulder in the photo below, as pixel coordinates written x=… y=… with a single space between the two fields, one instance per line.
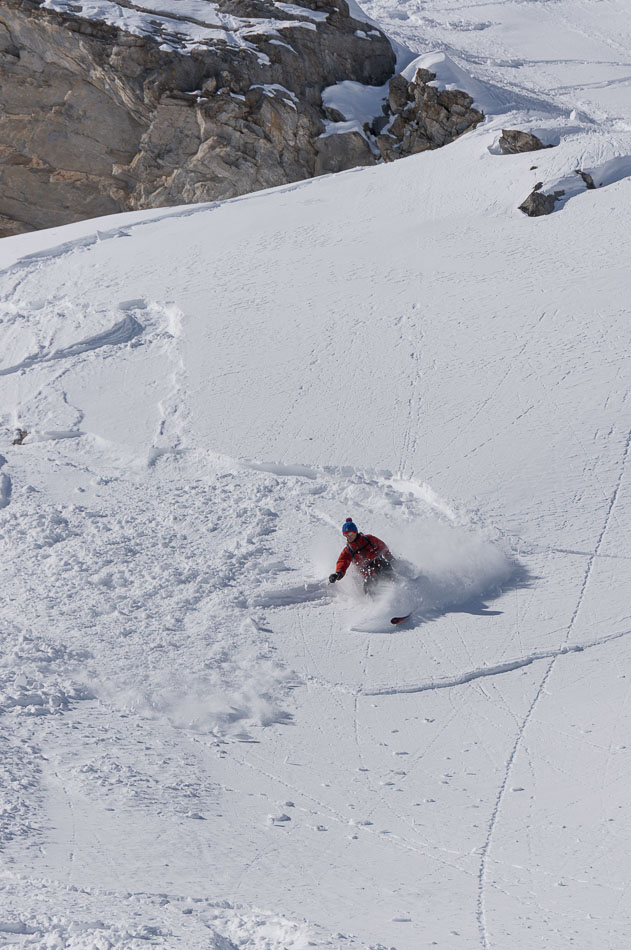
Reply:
x=537 y=203
x=513 y=141
x=333 y=115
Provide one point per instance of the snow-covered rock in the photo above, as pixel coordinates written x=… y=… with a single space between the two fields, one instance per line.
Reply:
x=424 y=116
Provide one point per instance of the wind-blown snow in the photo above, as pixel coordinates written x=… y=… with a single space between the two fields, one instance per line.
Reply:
x=204 y=743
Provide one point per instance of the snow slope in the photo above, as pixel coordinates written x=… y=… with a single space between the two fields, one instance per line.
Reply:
x=197 y=749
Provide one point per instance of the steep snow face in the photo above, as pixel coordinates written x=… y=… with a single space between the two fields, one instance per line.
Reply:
x=204 y=743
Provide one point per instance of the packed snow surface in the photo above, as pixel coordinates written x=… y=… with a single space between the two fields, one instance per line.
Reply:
x=205 y=745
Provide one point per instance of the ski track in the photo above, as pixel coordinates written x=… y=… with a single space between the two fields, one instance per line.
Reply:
x=294 y=477
x=331 y=813
x=495 y=816
x=26 y=264
x=132 y=555
x=498 y=669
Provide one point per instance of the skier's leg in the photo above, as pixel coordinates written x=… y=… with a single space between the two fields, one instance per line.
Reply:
x=368 y=578
x=380 y=565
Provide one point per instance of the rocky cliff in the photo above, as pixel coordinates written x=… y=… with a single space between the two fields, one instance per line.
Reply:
x=107 y=107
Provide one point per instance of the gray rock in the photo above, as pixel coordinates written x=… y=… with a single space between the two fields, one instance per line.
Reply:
x=424 y=117
x=587 y=178
x=379 y=124
x=537 y=203
x=512 y=141
x=334 y=115
x=397 y=93
x=342 y=151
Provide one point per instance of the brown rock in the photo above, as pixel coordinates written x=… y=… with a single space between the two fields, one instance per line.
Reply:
x=388 y=147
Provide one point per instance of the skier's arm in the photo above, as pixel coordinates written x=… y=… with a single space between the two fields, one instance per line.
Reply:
x=343 y=562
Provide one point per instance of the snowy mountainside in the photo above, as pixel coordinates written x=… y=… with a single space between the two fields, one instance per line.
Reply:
x=197 y=749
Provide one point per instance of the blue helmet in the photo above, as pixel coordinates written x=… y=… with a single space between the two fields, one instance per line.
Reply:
x=349 y=525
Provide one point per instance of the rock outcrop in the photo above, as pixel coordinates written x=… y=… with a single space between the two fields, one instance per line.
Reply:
x=146 y=107
x=423 y=116
x=416 y=116
x=95 y=118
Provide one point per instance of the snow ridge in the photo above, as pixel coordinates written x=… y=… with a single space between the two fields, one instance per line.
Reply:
x=498 y=669
x=122 y=332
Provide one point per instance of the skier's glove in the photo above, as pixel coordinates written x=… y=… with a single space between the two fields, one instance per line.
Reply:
x=335 y=577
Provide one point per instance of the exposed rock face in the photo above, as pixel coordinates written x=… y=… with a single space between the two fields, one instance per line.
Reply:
x=512 y=141
x=95 y=120
x=424 y=117
x=344 y=150
x=156 y=108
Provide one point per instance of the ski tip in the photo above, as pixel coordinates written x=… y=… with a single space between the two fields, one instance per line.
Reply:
x=396 y=620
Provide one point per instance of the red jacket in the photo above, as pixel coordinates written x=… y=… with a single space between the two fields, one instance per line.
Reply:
x=364 y=549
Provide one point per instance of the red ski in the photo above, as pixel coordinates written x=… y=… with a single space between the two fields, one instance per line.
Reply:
x=396 y=620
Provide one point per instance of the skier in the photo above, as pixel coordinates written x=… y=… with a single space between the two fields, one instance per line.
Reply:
x=370 y=554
